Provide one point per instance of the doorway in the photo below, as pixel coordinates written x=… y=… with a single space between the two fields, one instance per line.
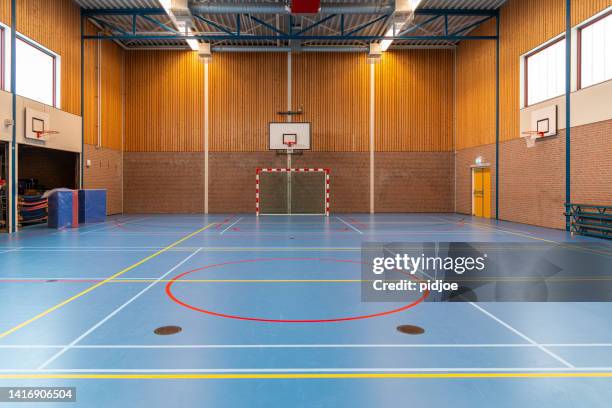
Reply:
x=481 y=192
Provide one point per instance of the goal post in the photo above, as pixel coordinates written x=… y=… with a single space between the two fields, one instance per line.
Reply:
x=306 y=192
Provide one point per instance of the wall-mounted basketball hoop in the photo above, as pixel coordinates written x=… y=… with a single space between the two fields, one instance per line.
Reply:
x=41 y=134
x=531 y=136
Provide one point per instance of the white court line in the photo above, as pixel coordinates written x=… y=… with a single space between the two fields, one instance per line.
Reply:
x=10 y=250
x=352 y=227
x=120 y=308
x=315 y=370
x=299 y=346
x=231 y=225
x=106 y=224
x=512 y=329
x=523 y=336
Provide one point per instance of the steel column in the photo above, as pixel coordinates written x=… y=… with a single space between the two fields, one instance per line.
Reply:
x=568 y=110
x=82 y=162
x=497 y=124
x=14 y=182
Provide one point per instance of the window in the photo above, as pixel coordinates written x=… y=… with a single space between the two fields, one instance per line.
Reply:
x=595 y=51
x=545 y=72
x=36 y=72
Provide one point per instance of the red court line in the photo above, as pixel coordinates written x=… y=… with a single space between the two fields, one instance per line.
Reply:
x=264 y=320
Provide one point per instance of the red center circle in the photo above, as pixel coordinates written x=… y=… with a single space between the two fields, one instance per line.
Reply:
x=260 y=319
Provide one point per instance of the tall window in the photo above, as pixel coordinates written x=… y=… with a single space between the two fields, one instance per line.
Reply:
x=36 y=73
x=595 y=51
x=545 y=73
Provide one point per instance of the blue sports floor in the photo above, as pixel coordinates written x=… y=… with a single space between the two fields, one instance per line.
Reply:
x=79 y=308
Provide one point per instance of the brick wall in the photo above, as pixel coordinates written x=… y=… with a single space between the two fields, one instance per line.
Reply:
x=163 y=182
x=405 y=182
x=592 y=164
x=105 y=172
x=532 y=181
x=349 y=178
x=231 y=185
x=414 y=182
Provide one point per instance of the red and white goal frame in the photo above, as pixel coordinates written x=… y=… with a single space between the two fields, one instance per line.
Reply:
x=258 y=171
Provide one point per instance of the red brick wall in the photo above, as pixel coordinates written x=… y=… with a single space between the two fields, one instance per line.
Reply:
x=105 y=172
x=232 y=178
x=592 y=163
x=532 y=181
x=414 y=182
x=231 y=185
x=349 y=178
x=405 y=182
x=163 y=182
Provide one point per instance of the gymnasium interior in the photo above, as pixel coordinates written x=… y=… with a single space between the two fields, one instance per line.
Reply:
x=306 y=203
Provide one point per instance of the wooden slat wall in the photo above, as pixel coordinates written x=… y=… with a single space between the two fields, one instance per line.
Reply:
x=5 y=12
x=525 y=24
x=164 y=101
x=414 y=101
x=333 y=89
x=246 y=91
x=476 y=90
x=112 y=95
x=112 y=92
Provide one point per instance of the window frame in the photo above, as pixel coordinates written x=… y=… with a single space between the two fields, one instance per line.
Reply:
x=54 y=57
x=526 y=57
x=579 y=47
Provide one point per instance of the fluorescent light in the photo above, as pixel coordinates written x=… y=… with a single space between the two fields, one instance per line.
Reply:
x=193 y=43
x=414 y=4
x=166 y=4
x=385 y=44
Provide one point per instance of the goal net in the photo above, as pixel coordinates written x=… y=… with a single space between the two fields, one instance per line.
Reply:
x=292 y=191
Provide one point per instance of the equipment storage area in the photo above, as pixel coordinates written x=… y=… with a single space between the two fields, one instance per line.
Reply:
x=3 y=187
x=40 y=170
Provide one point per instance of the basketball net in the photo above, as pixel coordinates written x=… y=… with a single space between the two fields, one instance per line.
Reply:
x=41 y=133
x=531 y=136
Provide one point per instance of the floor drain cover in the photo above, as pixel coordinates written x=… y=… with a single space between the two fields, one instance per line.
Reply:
x=409 y=329
x=167 y=330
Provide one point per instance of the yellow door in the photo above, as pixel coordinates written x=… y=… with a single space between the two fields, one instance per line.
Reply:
x=481 y=192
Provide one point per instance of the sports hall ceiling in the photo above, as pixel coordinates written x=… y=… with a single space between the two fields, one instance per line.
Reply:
x=267 y=25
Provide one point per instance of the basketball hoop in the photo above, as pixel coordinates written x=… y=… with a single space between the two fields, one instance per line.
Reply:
x=531 y=136
x=41 y=133
x=290 y=145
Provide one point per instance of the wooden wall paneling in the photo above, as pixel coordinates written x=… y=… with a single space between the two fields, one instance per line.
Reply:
x=5 y=12
x=525 y=25
x=246 y=91
x=164 y=101
x=112 y=95
x=476 y=90
x=333 y=89
x=414 y=101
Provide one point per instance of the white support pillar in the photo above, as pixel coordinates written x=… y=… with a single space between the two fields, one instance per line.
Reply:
x=206 y=136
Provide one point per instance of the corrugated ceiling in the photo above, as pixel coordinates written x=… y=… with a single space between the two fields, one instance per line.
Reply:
x=250 y=26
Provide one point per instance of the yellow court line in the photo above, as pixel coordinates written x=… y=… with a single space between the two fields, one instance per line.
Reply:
x=97 y=285
x=603 y=374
